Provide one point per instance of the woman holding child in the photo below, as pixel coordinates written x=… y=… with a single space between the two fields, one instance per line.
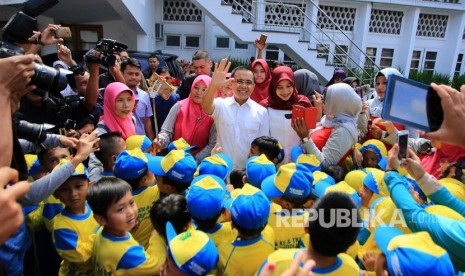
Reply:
x=187 y=120
x=333 y=141
x=282 y=96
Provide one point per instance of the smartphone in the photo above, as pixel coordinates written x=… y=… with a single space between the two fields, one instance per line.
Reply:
x=412 y=104
x=309 y=114
x=263 y=38
x=63 y=32
x=402 y=141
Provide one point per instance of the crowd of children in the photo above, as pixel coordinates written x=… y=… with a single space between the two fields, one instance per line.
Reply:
x=332 y=200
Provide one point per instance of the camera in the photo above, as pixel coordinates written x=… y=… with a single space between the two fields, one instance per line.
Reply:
x=107 y=47
x=18 y=29
x=46 y=78
x=35 y=133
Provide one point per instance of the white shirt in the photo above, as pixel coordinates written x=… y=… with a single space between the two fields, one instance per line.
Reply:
x=281 y=129
x=238 y=125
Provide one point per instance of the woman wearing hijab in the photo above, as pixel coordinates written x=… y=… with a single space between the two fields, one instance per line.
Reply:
x=443 y=156
x=262 y=77
x=282 y=96
x=306 y=83
x=118 y=105
x=375 y=105
x=187 y=120
x=333 y=142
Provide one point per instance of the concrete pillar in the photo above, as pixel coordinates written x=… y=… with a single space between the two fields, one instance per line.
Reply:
x=447 y=55
x=362 y=24
x=403 y=54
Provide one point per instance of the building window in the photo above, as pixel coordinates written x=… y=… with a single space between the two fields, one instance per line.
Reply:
x=222 y=42
x=181 y=10
x=415 y=62
x=192 y=41
x=371 y=54
x=385 y=21
x=340 y=55
x=238 y=45
x=272 y=53
x=458 y=65
x=432 y=25
x=173 y=41
x=430 y=61
x=386 y=57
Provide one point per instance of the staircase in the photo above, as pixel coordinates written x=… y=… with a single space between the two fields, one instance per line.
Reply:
x=290 y=27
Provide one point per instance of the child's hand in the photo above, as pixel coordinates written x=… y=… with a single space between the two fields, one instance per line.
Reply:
x=217 y=149
x=368 y=260
x=85 y=146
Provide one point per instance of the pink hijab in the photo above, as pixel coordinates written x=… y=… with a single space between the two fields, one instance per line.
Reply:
x=274 y=101
x=112 y=121
x=192 y=123
x=261 y=90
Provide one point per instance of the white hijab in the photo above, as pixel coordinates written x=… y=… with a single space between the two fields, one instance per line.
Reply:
x=376 y=107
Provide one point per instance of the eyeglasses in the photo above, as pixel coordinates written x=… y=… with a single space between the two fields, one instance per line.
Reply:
x=244 y=82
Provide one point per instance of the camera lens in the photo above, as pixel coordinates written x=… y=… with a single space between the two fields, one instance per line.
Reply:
x=49 y=79
x=35 y=133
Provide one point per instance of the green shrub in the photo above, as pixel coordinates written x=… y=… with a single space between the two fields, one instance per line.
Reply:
x=429 y=77
x=458 y=81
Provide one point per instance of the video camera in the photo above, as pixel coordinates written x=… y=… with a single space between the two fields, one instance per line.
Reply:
x=107 y=47
x=17 y=31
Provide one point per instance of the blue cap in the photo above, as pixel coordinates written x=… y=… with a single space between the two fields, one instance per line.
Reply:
x=374 y=181
x=219 y=164
x=292 y=180
x=180 y=144
x=309 y=160
x=412 y=254
x=33 y=165
x=193 y=252
x=250 y=209
x=258 y=168
x=131 y=164
x=206 y=196
x=138 y=141
x=177 y=165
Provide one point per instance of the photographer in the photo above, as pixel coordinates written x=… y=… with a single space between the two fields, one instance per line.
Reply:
x=113 y=74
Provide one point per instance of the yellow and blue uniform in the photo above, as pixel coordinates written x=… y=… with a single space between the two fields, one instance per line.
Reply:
x=144 y=198
x=288 y=228
x=243 y=257
x=123 y=256
x=221 y=233
x=45 y=214
x=283 y=258
x=382 y=210
x=73 y=237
